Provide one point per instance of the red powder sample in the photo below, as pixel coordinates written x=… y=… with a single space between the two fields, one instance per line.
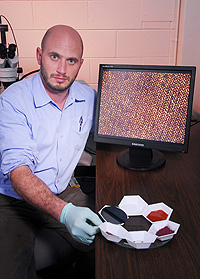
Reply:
x=164 y=231
x=157 y=215
x=109 y=233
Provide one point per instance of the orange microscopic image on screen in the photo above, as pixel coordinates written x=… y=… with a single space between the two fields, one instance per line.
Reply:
x=144 y=105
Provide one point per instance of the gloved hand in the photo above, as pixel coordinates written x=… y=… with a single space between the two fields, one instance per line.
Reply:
x=81 y=222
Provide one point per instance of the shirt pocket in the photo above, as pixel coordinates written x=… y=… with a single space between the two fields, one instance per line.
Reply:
x=81 y=132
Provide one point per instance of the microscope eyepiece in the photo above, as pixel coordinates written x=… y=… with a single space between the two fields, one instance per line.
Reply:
x=3 y=51
x=11 y=51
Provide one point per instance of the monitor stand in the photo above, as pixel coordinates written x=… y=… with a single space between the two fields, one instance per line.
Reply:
x=141 y=159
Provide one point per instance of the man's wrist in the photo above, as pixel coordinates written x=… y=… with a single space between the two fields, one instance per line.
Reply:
x=62 y=215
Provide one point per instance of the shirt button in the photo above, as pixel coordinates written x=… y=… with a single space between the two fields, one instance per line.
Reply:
x=57 y=181
x=61 y=136
x=60 y=159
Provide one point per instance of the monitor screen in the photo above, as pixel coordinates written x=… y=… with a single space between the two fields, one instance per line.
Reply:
x=147 y=108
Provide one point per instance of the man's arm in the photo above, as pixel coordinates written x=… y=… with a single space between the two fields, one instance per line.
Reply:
x=35 y=191
x=81 y=222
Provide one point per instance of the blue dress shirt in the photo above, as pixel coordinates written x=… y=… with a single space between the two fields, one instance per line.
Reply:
x=34 y=131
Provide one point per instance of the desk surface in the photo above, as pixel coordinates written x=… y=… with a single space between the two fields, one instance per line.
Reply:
x=177 y=185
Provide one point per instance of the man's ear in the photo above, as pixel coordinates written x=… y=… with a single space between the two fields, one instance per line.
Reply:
x=81 y=62
x=39 y=55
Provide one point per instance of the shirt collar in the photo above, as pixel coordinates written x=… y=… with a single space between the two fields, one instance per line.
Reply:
x=41 y=97
x=73 y=96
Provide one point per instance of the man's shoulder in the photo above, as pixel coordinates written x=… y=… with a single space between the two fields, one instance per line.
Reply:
x=82 y=89
x=84 y=85
x=19 y=90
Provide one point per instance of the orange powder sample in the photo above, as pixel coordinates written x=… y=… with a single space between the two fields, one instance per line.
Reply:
x=157 y=215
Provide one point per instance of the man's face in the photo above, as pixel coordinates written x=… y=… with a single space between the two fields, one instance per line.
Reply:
x=60 y=62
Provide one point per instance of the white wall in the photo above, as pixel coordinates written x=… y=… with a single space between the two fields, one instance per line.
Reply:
x=189 y=44
x=113 y=31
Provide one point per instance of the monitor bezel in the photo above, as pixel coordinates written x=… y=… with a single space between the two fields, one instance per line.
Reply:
x=144 y=143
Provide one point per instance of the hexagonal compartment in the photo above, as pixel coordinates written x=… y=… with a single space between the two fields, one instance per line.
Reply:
x=113 y=232
x=140 y=239
x=157 y=212
x=133 y=205
x=164 y=228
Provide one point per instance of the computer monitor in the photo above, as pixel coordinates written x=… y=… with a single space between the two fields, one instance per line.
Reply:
x=147 y=109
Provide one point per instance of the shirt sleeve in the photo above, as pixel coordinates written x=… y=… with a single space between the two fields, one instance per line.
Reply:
x=17 y=146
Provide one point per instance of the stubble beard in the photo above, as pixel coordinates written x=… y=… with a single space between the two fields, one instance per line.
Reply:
x=58 y=87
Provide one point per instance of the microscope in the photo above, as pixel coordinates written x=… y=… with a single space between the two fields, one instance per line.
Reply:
x=9 y=72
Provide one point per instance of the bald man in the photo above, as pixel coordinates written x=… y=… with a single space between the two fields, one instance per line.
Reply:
x=44 y=125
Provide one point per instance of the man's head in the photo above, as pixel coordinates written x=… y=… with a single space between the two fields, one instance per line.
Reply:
x=60 y=58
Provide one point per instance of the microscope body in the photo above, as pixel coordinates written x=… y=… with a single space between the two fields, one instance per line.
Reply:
x=8 y=60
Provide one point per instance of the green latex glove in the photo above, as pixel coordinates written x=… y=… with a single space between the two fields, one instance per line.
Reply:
x=81 y=222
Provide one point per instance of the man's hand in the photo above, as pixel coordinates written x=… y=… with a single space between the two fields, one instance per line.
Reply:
x=81 y=222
